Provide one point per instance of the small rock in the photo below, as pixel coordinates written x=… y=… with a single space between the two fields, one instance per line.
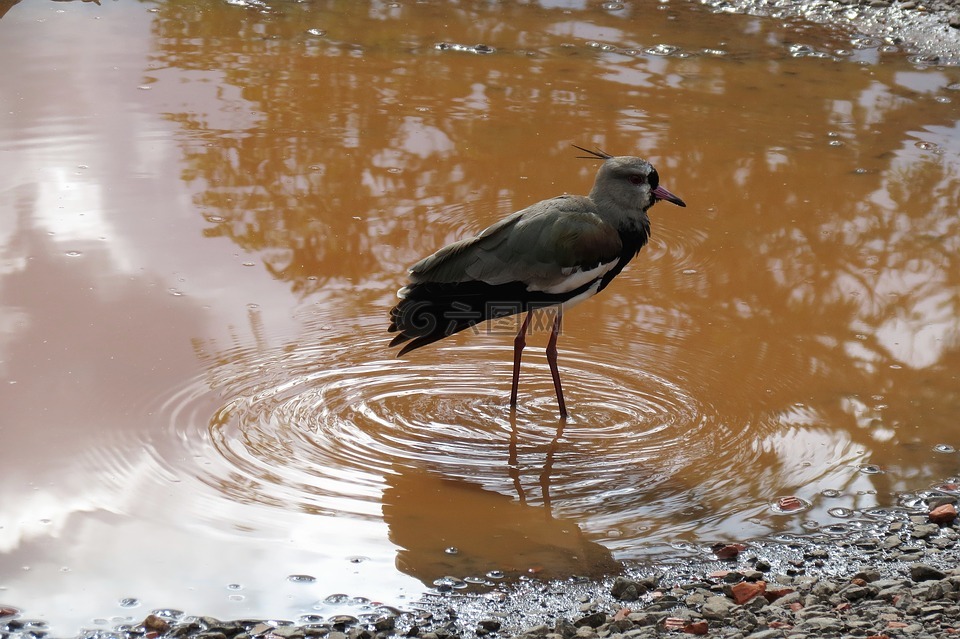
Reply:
x=773 y=594
x=585 y=632
x=717 y=608
x=868 y=575
x=153 y=623
x=564 y=628
x=745 y=591
x=727 y=551
x=944 y=514
x=923 y=572
x=389 y=622
x=924 y=530
x=890 y=542
x=696 y=628
x=627 y=589
x=594 y=620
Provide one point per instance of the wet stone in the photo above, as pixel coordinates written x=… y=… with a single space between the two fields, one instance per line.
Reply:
x=717 y=608
x=594 y=620
x=924 y=572
x=923 y=531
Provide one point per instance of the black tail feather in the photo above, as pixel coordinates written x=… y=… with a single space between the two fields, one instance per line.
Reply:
x=431 y=311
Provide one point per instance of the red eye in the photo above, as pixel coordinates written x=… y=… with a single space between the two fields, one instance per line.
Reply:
x=636 y=179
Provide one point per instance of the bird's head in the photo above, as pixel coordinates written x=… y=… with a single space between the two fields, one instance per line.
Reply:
x=628 y=182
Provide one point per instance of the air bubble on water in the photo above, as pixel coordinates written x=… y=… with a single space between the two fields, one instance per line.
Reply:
x=954 y=87
x=830 y=492
x=234 y=587
x=445 y=584
x=74 y=253
x=495 y=574
x=336 y=599
x=841 y=513
x=357 y=559
x=317 y=32
x=248 y=264
x=942 y=99
x=612 y=6
x=926 y=146
x=129 y=602
x=869 y=469
x=865 y=42
x=662 y=49
x=168 y=613
x=835 y=142
x=394 y=170
x=302 y=579
x=944 y=448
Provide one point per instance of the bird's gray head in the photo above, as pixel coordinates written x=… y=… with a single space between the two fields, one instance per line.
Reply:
x=627 y=184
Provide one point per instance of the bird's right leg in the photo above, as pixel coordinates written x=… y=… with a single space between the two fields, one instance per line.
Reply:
x=552 y=360
x=518 y=344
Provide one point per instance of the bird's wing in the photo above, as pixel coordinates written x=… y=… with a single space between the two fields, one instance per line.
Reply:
x=553 y=246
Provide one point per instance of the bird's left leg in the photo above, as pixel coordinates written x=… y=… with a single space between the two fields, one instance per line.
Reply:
x=552 y=360
x=518 y=345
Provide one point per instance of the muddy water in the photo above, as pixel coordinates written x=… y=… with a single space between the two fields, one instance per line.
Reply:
x=207 y=209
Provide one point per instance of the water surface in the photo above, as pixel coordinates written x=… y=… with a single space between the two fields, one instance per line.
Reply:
x=207 y=209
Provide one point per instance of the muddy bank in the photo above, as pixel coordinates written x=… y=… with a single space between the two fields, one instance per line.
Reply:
x=926 y=30
x=880 y=572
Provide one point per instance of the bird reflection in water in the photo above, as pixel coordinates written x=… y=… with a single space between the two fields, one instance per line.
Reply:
x=446 y=526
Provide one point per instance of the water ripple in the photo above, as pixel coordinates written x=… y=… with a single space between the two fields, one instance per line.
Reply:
x=317 y=427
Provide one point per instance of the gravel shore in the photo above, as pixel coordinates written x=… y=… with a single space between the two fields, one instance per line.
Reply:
x=880 y=573
x=927 y=30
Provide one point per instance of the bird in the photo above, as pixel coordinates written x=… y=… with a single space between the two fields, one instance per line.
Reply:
x=550 y=255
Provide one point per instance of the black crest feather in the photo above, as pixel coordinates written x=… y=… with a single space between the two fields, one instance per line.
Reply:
x=594 y=155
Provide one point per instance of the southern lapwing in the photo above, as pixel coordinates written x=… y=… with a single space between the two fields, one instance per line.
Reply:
x=555 y=253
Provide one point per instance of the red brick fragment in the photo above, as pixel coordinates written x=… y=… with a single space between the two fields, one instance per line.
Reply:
x=696 y=628
x=944 y=514
x=747 y=590
x=728 y=551
x=674 y=623
x=773 y=595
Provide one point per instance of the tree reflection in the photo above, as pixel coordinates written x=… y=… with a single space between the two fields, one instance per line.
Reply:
x=332 y=140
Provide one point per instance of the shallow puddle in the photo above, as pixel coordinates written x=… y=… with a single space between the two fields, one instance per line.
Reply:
x=207 y=209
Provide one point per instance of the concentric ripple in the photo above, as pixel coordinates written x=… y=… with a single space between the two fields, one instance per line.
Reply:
x=320 y=427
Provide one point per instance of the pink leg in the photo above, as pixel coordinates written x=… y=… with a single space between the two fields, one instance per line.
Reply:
x=518 y=345
x=552 y=361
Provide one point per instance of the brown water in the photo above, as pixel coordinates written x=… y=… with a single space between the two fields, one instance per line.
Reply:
x=207 y=209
